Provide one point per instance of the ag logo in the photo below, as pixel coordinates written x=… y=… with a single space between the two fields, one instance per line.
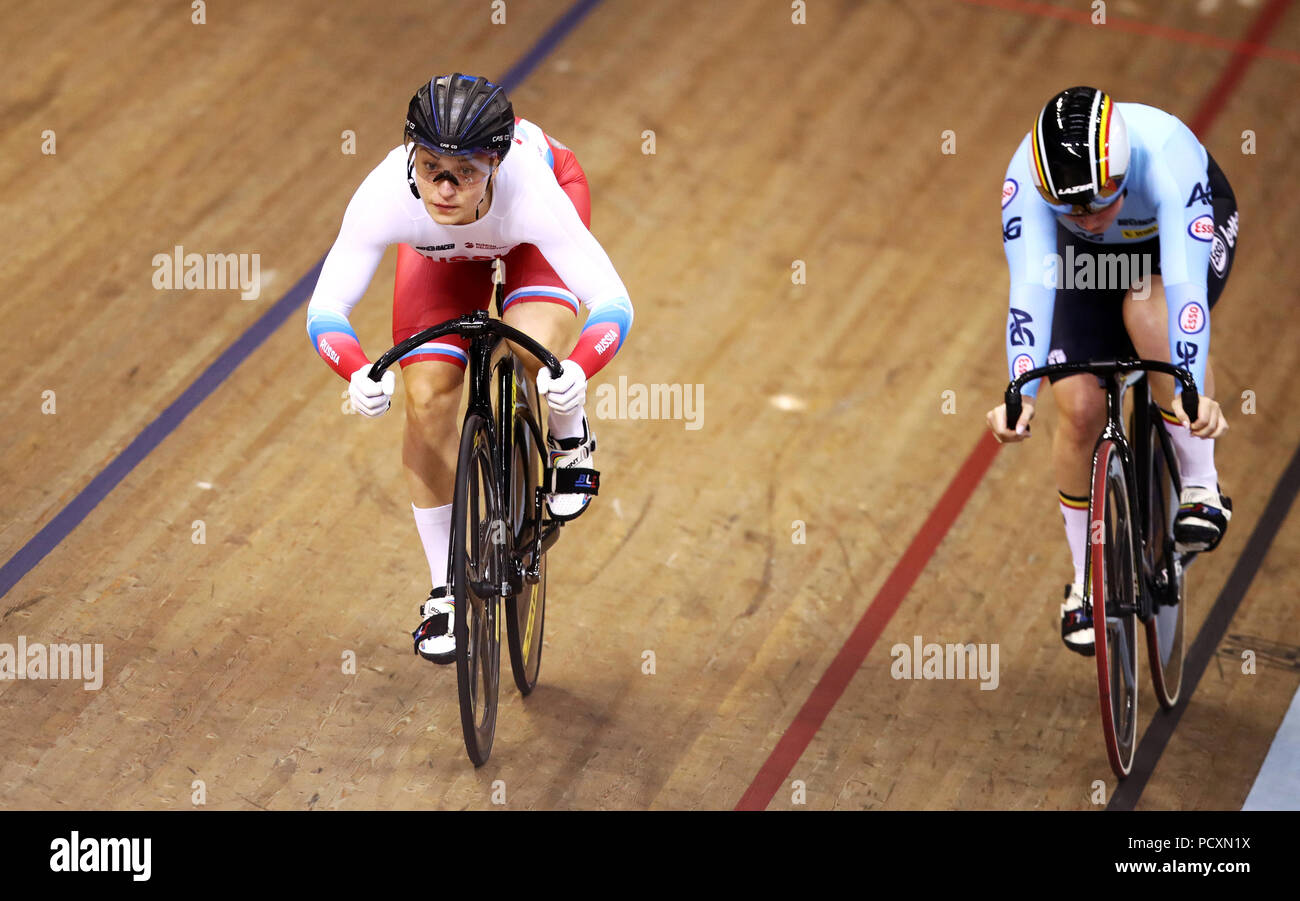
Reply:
x=1011 y=230
x=1186 y=351
x=1201 y=228
x=1199 y=193
x=1018 y=335
x=1191 y=319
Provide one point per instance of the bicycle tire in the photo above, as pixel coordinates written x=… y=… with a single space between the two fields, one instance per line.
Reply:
x=526 y=608
x=476 y=576
x=1165 y=630
x=1112 y=587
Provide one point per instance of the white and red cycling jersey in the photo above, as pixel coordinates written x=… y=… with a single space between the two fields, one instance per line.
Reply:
x=537 y=222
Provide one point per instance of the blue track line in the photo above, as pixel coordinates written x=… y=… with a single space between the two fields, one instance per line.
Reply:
x=71 y=516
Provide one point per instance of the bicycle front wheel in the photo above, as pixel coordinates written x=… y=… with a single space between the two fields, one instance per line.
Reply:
x=477 y=542
x=526 y=609
x=1112 y=582
x=1166 y=626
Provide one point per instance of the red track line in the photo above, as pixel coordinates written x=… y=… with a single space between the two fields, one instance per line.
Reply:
x=887 y=600
x=836 y=679
x=1252 y=46
x=1227 y=83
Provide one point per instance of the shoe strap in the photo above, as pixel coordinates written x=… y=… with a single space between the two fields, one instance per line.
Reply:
x=586 y=440
x=1076 y=620
x=435 y=626
x=581 y=450
x=571 y=480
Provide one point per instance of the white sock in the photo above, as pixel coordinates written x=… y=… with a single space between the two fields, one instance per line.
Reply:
x=1195 y=455
x=566 y=425
x=434 y=525
x=1076 y=531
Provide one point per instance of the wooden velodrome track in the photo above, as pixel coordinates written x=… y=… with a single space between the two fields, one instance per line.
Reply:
x=775 y=143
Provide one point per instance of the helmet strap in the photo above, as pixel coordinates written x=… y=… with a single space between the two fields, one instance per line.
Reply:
x=486 y=192
x=410 y=174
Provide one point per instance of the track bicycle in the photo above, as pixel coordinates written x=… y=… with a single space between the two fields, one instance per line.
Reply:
x=1133 y=572
x=500 y=529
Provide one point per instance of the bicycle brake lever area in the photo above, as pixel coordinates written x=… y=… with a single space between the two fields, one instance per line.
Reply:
x=1191 y=402
x=1014 y=408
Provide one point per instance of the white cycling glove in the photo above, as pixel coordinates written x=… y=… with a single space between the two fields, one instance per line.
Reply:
x=368 y=397
x=568 y=392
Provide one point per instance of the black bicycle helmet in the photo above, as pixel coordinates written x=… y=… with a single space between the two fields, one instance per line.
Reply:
x=458 y=114
x=1080 y=143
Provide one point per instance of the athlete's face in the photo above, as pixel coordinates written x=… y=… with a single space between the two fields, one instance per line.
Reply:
x=1104 y=218
x=452 y=187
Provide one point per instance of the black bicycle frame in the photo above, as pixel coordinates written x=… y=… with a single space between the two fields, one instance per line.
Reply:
x=485 y=335
x=510 y=374
x=1134 y=449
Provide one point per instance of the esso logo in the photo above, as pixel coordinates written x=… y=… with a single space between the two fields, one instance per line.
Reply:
x=1191 y=319
x=1219 y=256
x=1022 y=364
x=1009 y=189
x=1201 y=228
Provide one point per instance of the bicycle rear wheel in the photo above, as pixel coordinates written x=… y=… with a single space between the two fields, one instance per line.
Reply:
x=1166 y=626
x=526 y=609
x=1112 y=581
x=476 y=578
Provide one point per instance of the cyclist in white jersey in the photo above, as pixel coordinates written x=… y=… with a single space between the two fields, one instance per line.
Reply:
x=454 y=198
